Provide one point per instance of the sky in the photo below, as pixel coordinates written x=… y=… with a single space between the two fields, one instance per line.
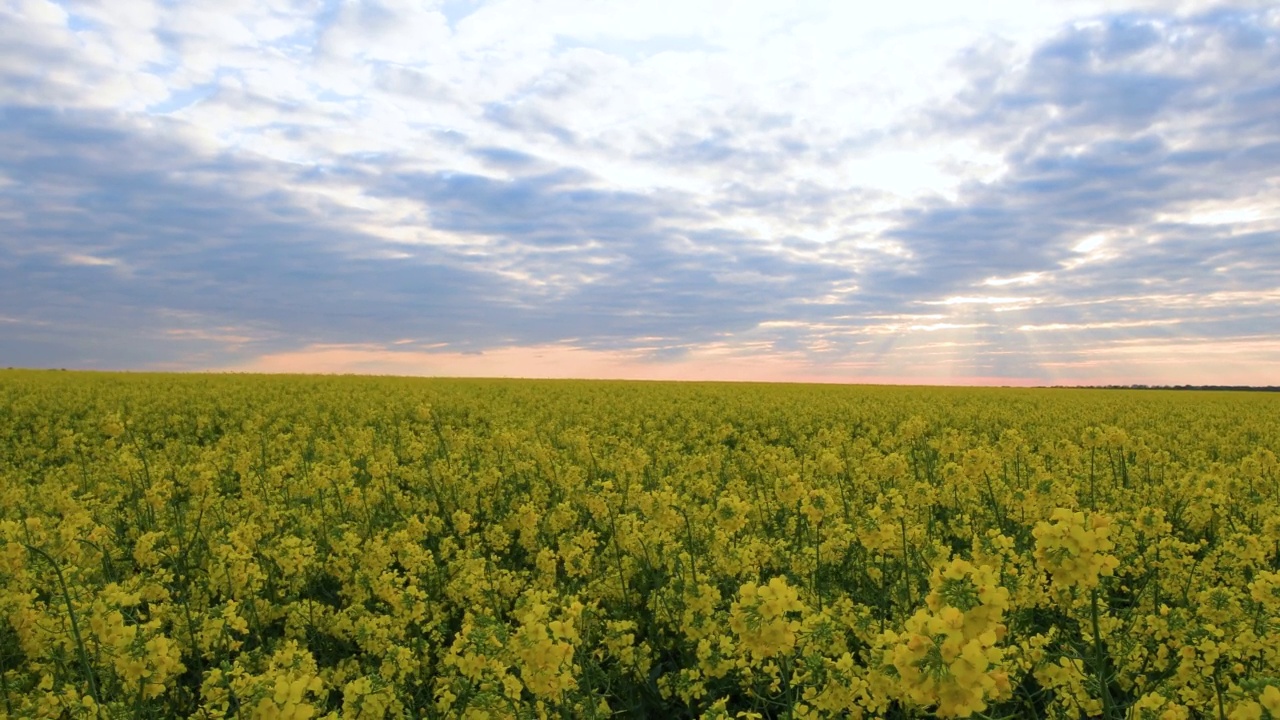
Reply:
x=919 y=191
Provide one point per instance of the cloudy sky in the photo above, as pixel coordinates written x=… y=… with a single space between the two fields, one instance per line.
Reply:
x=910 y=191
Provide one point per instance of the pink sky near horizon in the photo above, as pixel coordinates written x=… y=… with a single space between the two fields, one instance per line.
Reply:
x=1166 y=363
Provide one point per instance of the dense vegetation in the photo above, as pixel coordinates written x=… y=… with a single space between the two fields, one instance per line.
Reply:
x=291 y=547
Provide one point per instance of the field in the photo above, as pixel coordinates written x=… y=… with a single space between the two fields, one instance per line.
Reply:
x=293 y=547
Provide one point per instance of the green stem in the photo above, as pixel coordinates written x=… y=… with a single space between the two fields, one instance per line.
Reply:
x=75 y=627
x=137 y=702
x=1100 y=658
x=4 y=687
x=906 y=565
x=1217 y=690
x=617 y=556
x=1093 y=490
x=688 y=529
x=817 y=563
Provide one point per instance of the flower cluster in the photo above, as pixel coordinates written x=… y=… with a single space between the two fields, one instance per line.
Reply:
x=763 y=618
x=947 y=655
x=1074 y=548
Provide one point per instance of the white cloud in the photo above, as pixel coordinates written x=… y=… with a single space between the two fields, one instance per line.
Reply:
x=835 y=70
x=1030 y=278
x=89 y=260
x=1248 y=212
x=981 y=300
x=1085 y=327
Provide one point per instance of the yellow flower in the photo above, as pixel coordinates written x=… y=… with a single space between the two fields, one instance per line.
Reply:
x=1270 y=700
x=1074 y=548
x=760 y=618
x=1246 y=710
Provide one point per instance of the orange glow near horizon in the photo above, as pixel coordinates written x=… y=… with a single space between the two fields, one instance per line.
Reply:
x=567 y=362
x=1168 y=362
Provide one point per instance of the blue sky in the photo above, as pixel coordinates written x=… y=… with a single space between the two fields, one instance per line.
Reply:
x=918 y=191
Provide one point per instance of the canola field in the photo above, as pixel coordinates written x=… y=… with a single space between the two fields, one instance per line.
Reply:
x=303 y=547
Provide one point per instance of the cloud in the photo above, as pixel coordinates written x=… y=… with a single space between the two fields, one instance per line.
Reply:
x=1002 y=195
x=1092 y=182
x=532 y=259
x=216 y=238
